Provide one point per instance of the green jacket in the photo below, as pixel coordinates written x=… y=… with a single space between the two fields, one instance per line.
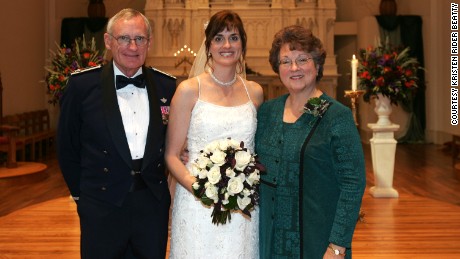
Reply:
x=334 y=180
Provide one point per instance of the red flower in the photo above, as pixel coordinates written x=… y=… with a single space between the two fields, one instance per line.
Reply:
x=380 y=81
x=86 y=55
x=408 y=72
x=67 y=70
x=365 y=75
x=54 y=87
x=409 y=84
x=386 y=57
x=387 y=69
x=92 y=64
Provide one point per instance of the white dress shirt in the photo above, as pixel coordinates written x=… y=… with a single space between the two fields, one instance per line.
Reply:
x=134 y=107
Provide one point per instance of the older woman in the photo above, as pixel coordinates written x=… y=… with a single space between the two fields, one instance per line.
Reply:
x=311 y=194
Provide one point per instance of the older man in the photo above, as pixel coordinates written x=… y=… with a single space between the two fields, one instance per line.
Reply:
x=111 y=138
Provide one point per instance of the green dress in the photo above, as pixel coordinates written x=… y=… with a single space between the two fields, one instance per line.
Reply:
x=332 y=187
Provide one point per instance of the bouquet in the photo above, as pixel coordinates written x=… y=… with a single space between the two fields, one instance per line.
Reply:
x=389 y=71
x=227 y=178
x=66 y=60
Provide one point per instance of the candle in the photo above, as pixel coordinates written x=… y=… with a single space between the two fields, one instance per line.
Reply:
x=354 y=73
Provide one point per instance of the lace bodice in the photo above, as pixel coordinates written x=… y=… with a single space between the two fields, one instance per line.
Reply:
x=193 y=234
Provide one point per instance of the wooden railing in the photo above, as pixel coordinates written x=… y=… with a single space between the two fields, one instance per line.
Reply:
x=29 y=133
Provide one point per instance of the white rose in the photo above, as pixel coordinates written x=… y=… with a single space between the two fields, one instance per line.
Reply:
x=195 y=185
x=218 y=157
x=254 y=177
x=211 y=193
x=234 y=144
x=235 y=186
x=202 y=162
x=243 y=202
x=214 y=175
x=242 y=177
x=246 y=192
x=230 y=173
x=224 y=144
x=195 y=170
x=242 y=159
x=203 y=174
x=211 y=147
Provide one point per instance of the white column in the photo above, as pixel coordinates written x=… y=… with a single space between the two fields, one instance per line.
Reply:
x=383 y=148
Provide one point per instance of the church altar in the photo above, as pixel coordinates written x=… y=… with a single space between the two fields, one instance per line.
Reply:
x=179 y=23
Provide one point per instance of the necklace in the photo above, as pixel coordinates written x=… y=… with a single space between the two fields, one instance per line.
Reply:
x=229 y=83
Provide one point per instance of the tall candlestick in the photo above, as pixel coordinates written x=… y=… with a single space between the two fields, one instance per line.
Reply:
x=354 y=72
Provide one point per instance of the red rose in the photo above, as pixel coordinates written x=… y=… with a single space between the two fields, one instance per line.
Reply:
x=409 y=84
x=380 y=81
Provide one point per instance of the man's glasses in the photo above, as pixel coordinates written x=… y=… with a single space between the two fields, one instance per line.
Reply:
x=125 y=40
x=300 y=61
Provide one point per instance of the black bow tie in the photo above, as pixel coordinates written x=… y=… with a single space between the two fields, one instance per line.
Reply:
x=123 y=81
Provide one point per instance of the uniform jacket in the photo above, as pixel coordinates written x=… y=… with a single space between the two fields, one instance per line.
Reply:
x=93 y=151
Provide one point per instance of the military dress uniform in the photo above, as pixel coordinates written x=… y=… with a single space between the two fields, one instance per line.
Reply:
x=120 y=201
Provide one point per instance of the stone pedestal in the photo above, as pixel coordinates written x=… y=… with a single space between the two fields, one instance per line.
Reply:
x=383 y=148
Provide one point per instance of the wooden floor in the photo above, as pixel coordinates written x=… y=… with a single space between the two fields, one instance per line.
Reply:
x=38 y=219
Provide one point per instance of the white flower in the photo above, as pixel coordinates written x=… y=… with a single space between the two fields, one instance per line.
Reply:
x=202 y=162
x=195 y=170
x=254 y=177
x=246 y=192
x=243 y=202
x=211 y=193
x=195 y=185
x=234 y=144
x=203 y=174
x=211 y=147
x=235 y=185
x=229 y=172
x=214 y=175
x=242 y=159
x=218 y=157
x=224 y=144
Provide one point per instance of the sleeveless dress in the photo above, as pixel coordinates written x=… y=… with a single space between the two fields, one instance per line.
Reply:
x=193 y=235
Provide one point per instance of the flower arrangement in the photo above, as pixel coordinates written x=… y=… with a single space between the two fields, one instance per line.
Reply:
x=389 y=71
x=67 y=60
x=316 y=106
x=227 y=178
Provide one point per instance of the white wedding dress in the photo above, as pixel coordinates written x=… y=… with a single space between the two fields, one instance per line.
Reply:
x=193 y=235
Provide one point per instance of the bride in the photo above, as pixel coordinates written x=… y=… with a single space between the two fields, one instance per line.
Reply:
x=214 y=104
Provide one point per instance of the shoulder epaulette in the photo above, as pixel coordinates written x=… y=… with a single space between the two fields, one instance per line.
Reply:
x=86 y=69
x=164 y=73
